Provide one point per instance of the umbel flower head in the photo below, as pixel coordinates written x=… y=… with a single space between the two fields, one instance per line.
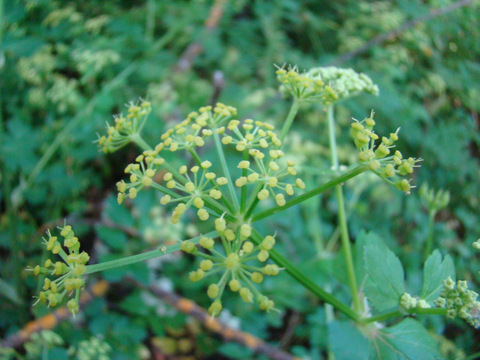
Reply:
x=63 y=278
x=459 y=301
x=125 y=128
x=381 y=159
x=199 y=186
x=325 y=84
x=233 y=263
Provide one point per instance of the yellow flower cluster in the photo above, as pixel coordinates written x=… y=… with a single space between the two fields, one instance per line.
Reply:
x=121 y=133
x=141 y=173
x=237 y=274
x=196 y=188
x=381 y=159
x=305 y=87
x=190 y=133
x=68 y=272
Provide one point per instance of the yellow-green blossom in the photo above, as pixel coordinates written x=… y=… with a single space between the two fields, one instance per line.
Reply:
x=63 y=278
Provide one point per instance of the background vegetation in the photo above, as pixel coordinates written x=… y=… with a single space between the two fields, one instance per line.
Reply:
x=67 y=66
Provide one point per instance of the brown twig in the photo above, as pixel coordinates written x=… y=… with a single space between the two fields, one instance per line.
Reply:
x=380 y=39
x=188 y=307
x=51 y=320
x=195 y=48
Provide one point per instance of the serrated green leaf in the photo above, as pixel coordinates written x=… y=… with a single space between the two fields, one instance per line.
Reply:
x=408 y=340
x=385 y=283
x=434 y=272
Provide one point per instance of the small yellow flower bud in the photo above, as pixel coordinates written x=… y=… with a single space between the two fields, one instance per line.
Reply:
x=253 y=177
x=213 y=291
x=232 y=261
x=171 y=184
x=244 y=164
x=262 y=255
x=216 y=194
x=280 y=199
x=206 y=164
x=210 y=176
x=146 y=181
x=300 y=184
x=164 y=200
x=374 y=165
x=222 y=181
x=203 y=214
x=234 y=285
x=245 y=230
x=188 y=246
x=289 y=189
x=215 y=308
x=256 y=277
x=190 y=187
x=183 y=169
x=241 y=181
x=229 y=234
x=132 y=193
x=206 y=243
x=198 y=202
x=273 y=166
x=271 y=270
x=273 y=181
x=263 y=194
x=268 y=242
x=168 y=176
x=246 y=294
x=206 y=265
x=248 y=247
x=220 y=225
x=150 y=173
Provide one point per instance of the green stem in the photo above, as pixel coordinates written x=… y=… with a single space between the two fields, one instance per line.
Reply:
x=150 y=20
x=290 y=117
x=108 y=265
x=226 y=172
x=305 y=281
x=212 y=182
x=342 y=219
x=429 y=242
x=397 y=313
x=318 y=190
x=243 y=196
x=142 y=144
x=382 y=317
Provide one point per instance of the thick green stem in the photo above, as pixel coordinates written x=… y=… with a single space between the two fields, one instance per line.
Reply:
x=108 y=265
x=342 y=219
x=226 y=172
x=318 y=190
x=142 y=144
x=429 y=242
x=305 y=281
x=289 y=120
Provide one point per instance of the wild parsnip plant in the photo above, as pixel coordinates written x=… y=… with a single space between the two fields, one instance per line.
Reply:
x=225 y=194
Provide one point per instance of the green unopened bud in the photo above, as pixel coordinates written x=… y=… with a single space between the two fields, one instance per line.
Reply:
x=206 y=243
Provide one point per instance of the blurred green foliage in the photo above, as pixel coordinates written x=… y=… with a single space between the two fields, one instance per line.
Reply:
x=66 y=65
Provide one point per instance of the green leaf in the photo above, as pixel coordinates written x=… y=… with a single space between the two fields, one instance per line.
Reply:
x=385 y=283
x=408 y=340
x=341 y=333
x=115 y=238
x=434 y=272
